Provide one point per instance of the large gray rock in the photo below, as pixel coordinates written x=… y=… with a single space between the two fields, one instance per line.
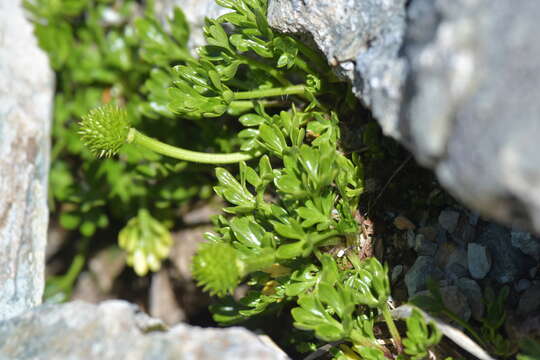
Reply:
x=457 y=82
x=361 y=39
x=117 y=330
x=26 y=89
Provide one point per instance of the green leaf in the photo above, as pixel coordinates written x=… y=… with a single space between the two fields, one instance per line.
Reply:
x=247 y=231
x=272 y=138
x=292 y=230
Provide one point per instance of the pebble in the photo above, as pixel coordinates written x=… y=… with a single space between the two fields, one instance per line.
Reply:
x=527 y=243
x=508 y=263
x=454 y=300
x=396 y=273
x=448 y=219
x=479 y=260
x=423 y=246
x=423 y=268
x=429 y=232
x=403 y=223
x=410 y=239
x=530 y=300
x=473 y=293
x=522 y=285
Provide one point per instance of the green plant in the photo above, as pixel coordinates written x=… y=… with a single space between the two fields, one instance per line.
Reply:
x=271 y=104
x=104 y=52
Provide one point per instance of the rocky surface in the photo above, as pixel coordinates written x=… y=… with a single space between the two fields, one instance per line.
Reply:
x=456 y=82
x=475 y=255
x=117 y=330
x=26 y=90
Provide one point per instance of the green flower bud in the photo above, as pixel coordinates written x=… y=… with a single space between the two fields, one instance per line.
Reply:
x=104 y=130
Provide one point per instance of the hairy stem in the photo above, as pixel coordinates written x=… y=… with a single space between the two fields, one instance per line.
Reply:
x=159 y=147
x=392 y=327
x=261 y=93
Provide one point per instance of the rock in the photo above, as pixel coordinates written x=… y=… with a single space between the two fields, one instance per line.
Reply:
x=361 y=39
x=473 y=293
x=396 y=273
x=530 y=300
x=411 y=239
x=522 y=285
x=423 y=268
x=478 y=260
x=26 y=90
x=424 y=247
x=508 y=263
x=443 y=79
x=527 y=243
x=448 y=219
x=429 y=232
x=116 y=330
x=454 y=300
x=403 y=223
x=162 y=302
x=455 y=271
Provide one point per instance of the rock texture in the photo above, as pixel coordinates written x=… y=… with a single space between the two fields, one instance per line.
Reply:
x=26 y=89
x=457 y=82
x=116 y=330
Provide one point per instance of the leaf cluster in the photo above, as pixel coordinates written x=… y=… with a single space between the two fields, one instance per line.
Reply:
x=106 y=52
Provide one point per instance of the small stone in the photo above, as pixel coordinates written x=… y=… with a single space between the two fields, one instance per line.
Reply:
x=455 y=271
x=443 y=253
x=530 y=300
x=402 y=223
x=473 y=293
x=396 y=273
x=527 y=243
x=429 y=232
x=424 y=247
x=473 y=218
x=508 y=263
x=522 y=285
x=479 y=260
x=423 y=268
x=533 y=271
x=453 y=299
x=411 y=241
x=448 y=220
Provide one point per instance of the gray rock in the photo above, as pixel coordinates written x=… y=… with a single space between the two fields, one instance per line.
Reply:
x=530 y=300
x=26 y=89
x=455 y=271
x=454 y=300
x=361 y=39
x=411 y=238
x=473 y=293
x=448 y=219
x=522 y=285
x=527 y=243
x=396 y=273
x=424 y=247
x=423 y=268
x=508 y=263
x=446 y=83
x=478 y=260
x=116 y=330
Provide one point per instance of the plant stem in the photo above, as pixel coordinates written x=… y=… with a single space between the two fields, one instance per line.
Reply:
x=157 y=146
x=254 y=94
x=392 y=327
